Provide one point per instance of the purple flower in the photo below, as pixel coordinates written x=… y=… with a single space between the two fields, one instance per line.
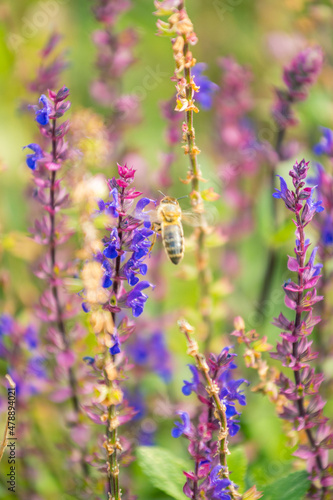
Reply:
x=113 y=206
x=31 y=337
x=303 y=71
x=183 y=427
x=136 y=299
x=31 y=159
x=152 y=352
x=219 y=484
x=140 y=244
x=43 y=115
x=190 y=387
x=110 y=251
x=115 y=349
x=327 y=231
x=6 y=324
x=207 y=88
x=325 y=145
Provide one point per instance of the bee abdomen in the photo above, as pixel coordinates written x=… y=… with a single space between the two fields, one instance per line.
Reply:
x=173 y=239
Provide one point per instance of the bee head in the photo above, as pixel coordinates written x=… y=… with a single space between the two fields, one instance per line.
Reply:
x=169 y=199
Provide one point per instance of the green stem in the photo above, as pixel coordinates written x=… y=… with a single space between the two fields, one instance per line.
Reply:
x=220 y=411
x=201 y=253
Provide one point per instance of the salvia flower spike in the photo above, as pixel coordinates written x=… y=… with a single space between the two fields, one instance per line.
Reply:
x=304 y=407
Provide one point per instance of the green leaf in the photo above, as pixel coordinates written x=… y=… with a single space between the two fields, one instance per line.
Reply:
x=237 y=465
x=163 y=469
x=292 y=487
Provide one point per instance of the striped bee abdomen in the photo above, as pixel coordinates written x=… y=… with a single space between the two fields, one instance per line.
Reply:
x=173 y=238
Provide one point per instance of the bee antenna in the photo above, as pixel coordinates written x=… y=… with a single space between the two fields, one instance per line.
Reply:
x=161 y=193
x=186 y=196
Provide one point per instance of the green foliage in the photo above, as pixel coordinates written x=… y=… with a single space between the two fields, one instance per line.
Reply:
x=292 y=487
x=237 y=463
x=163 y=469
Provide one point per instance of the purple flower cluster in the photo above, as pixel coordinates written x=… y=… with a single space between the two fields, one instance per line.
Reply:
x=304 y=408
x=55 y=306
x=301 y=74
x=126 y=247
x=151 y=353
x=25 y=358
x=207 y=480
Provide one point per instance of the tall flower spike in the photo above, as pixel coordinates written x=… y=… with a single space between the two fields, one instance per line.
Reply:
x=56 y=305
x=304 y=407
x=111 y=285
x=218 y=392
x=180 y=28
x=299 y=76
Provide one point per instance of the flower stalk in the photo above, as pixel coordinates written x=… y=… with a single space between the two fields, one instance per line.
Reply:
x=304 y=407
x=180 y=28
x=120 y=259
x=221 y=391
x=298 y=76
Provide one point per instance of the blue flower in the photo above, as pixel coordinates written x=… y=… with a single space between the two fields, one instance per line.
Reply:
x=140 y=244
x=152 y=352
x=110 y=251
x=315 y=269
x=130 y=268
x=230 y=388
x=325 y=145
x=136 y=299
x=314 y=205
x=110 y=207
x=327 y=231
x=107 y=281
x=36 y=367
x=160 y=356
x=31 y=337
x=183 y=427
x=282 y=192
x=190 y=387
x=85 y=307
x=219 y=484
x=6 y=324
x=43 y=115
x=89 y=360
x=115 y=349
x=31 y=159
x=207 y=88
x=140 y=206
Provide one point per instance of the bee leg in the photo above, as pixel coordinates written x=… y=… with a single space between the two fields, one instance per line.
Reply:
x=157 y=229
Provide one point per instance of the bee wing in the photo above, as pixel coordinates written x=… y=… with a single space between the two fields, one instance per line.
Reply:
x=191 y=218
x=194 y=219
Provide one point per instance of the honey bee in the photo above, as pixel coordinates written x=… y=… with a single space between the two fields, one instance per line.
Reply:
x=169 y=223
